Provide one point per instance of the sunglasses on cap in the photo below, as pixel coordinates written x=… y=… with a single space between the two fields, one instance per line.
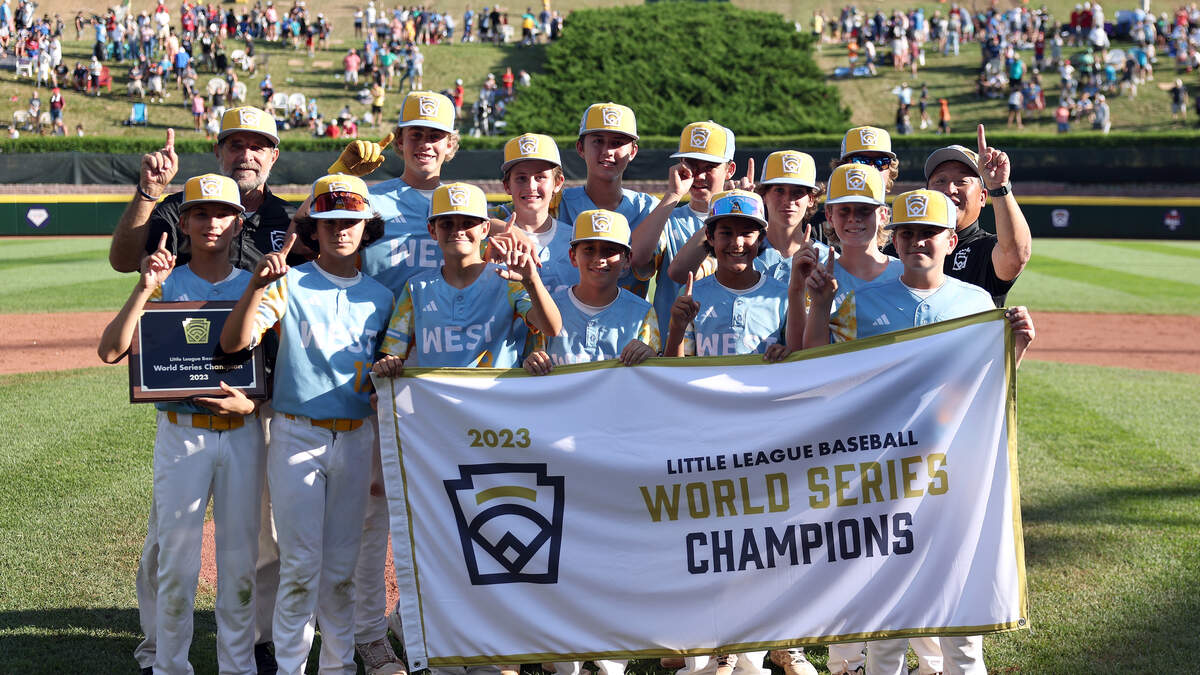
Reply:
x=736 y=206
x=877 y=162
x=339 y=201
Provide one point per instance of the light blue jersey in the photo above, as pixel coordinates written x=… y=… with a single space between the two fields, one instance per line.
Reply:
x=436 y=325
x=780 y=267
x=736 y=322
x=843 y=317
x=600 y=333
x=888 y=306
x=635 y=206
x=681 y=225
x=554 y=252
x=406 y=247
x=182 y=285
x=331 y=328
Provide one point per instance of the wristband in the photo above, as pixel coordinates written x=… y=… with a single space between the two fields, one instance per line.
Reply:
x=144 y=195
x=1000 y=191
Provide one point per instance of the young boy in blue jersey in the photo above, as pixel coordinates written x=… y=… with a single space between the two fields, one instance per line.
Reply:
x=923 y=227
x=705 y=162
x=856 y=215
x=207 y=447
x=332 y=318
x=600 y=320
x=736 y=310
x=608 y=143
x=532 y=175
x=462 y=315
x=789 y=190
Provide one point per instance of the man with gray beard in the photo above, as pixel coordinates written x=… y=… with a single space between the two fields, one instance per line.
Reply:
x=246 y=149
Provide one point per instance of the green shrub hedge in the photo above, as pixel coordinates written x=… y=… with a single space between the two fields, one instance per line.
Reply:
x=675 y=63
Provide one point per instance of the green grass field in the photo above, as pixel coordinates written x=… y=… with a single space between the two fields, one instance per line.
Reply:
x=1109 y=467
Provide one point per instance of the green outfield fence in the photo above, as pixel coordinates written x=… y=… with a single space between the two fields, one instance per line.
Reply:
x=1090 y=217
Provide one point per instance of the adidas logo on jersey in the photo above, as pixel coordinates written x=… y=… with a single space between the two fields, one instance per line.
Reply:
x=431 y=307
x=881 y=320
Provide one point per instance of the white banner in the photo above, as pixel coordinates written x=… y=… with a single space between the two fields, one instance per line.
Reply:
x=687 y=506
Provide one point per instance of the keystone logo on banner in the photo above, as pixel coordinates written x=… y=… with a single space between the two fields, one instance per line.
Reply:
x=510 y=519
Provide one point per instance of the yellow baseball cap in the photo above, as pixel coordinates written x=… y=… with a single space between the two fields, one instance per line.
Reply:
x=458 y=199
x=789 y=167
x=340 y=195
x=855 y=183
x=211 y=188
x=530 y=146
x=867 y=139
x=708 y=141
x=923 y=207
x=248 y=118
x=740 y=203
x=601 y=225
x=427 y=109
x=609 y=117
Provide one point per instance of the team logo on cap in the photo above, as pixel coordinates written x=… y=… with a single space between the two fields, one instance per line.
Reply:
x=611 y=117
x=856 y=180
x=339 y=186
x=916 y=206
x=601 y=222
x=790 y=163
x=510 y=522
x=248 y=117
x=700 y=137
x=210 y=186
x=735 y=206
x=427 y=105
x=867 y=137
x=458 y=196
x=528 y=145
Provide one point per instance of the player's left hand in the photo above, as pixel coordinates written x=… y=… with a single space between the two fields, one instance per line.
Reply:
x=745 y=182
x=273 y=265
x=360 y=157
x=804 y=262
x=776 y=353
x=157 y=266
x=233 y=403
x=509 y=238
x=993 y=164
x=635 y=352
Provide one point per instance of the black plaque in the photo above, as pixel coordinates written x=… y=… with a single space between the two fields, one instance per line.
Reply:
x=171 y=357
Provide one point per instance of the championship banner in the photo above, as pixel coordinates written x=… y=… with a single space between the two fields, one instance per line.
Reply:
x=689 y=506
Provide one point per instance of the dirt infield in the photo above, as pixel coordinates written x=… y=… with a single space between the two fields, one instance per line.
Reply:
x=37 y=342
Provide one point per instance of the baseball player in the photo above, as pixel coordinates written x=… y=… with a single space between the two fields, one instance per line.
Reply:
x=736 y=310
x=705 y=162
x=461 y=315
x=870 y=146
x=246 y=150
x=331 y=318
x=212 y=446
x=532 y=175
x=853 y=212
x=608 y=143
x=789 y=190
x=923 y=222
x=600 y=319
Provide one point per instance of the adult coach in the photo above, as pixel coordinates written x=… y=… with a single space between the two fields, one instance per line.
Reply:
x=246 y=149
x=968 y=178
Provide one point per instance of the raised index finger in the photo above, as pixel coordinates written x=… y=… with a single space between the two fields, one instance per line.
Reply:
x=807 y=233
x=162 y=242
x=982 y=142
x=750 y=168
x=287 y=245
x=687 y=290
x=170 y=146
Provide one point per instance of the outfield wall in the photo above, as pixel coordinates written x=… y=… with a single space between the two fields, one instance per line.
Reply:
x=1049 y=216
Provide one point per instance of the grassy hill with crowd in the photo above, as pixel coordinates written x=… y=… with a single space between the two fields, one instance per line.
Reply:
x=750 y=111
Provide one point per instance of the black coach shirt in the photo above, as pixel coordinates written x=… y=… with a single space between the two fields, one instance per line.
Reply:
x=263 y=231
x=971 y=261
